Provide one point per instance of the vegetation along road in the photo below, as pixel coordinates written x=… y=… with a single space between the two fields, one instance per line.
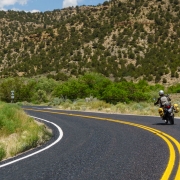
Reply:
x=99 y=146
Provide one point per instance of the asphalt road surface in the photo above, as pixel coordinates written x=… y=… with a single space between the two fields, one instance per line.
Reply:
x=97 y=146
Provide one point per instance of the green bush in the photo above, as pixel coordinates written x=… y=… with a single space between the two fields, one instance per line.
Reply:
x=126 y=92
x=115 y=94
x=36 y=90
x=8 y=120
x=174 y=89
x=23 y=90
x=72 y=89
x=43 y=90
x=96 y=83
x=40 y=96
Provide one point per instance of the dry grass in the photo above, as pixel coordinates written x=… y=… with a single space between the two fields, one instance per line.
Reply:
x=19 y=132
x=141 y=108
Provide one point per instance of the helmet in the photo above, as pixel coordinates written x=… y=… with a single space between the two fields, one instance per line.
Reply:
x=161 y=92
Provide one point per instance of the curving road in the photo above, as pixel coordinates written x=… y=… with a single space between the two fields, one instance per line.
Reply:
x=97 y=146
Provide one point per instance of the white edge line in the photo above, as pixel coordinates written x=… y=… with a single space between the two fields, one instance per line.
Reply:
x=47 y=147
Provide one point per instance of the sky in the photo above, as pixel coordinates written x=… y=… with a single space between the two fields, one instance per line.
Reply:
x=43 y=5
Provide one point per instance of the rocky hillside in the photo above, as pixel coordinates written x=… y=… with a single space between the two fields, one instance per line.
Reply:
x=121 y=39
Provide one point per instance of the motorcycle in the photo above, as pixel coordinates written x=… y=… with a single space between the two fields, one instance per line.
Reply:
x=167 y=112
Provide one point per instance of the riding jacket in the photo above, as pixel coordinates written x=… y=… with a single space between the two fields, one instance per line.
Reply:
x=162 y=100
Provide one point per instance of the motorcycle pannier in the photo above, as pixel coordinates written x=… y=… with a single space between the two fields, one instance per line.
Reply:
x=176 y=109
x=161 y=112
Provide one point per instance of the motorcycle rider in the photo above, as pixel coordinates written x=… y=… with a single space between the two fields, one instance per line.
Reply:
x=162 y=100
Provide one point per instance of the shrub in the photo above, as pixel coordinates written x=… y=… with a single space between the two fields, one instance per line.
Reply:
x=57 y=101
x=9 y=122
x=71 y=89
x=40 y=96
x=174 y=89
x=115 y=94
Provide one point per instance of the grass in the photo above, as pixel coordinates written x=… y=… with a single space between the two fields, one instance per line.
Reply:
x=141 y=108
x=18 y=131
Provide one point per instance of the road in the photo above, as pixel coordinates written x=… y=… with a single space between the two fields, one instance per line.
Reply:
x=97 y=146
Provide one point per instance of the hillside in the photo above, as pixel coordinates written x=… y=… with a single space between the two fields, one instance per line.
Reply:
x=121 y=39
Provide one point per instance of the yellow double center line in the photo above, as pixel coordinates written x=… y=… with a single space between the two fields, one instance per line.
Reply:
x=167 y=138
